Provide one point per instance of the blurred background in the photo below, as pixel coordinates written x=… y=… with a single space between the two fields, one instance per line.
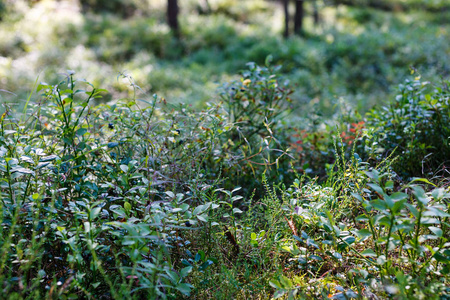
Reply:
x=351 y=52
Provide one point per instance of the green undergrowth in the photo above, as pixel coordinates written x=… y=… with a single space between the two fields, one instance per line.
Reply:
x=143 y=199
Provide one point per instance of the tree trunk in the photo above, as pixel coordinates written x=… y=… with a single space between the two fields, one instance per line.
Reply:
x=172 y=16
x=316 y=16
x=207 y=6
x=286 y=17
x=299 y=13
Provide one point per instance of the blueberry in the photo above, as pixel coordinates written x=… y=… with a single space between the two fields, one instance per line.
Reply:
x=111 y=126
x=188 y=224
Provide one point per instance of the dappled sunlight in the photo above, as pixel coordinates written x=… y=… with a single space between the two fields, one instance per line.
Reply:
x=207 y=149
x=355 y=54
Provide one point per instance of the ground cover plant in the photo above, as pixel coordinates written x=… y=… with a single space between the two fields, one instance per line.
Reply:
x=128 y=200
x=224 y=161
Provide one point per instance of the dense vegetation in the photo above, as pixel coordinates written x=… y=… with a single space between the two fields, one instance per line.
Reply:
x=281 y=183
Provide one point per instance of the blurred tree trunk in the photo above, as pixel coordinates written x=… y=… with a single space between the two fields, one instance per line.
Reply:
x=204 y=8
x=316 y=16
x=172 y=16
x=207 y=6
x=286 y=17
x=298 y=19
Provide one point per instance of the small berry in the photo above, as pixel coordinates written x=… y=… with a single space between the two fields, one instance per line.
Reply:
x=111 y=126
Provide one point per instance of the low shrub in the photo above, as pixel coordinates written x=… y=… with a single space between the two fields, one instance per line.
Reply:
x=365 y=236
x=141 y=198
x=416 y=127
x=102 y=201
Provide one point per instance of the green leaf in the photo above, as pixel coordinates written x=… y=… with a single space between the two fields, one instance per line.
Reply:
x=435 y=212
x=373 y=175
x=8 y=132
x=87 y=227
x=26 y=159
x=235 y=198
x=275 y=284
x=95 y=285
x=415 y=179
x=420 y=195
x=124 y=168
x=185 y=271
x=330 y=217
x=380 y=219
x=376 y=188
x=205 y=265
x=81 y=131
x=285 y=282
x=41 y=273
x=358 y=197
x=95 y=212
x=184 y=288
x=389 y=185
x=349 y=239
x=198 y=210
x=42 y=86
x=298 y=239
x=237 y=211
x=398 y=205
x=279 y=293
x=173 y=276
x=378 y=204
x=441 y=258
x=388 y=201
x=436 y=230
x=268 y=60
x=381 y=260
x=413 y=210
x=315 y=257
x=369 y=253
x=253 y=236
x=127 y=206
x=362 y=218
x=399 y=196
x=439 y=194
x=236 y=189
x=170 y=194
x=229 y=204
x=23 y=171
x=311 y=242
x=362 y=233
x=113 y=144
x=184 y=206
x=49 y=158
x=203 y=218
